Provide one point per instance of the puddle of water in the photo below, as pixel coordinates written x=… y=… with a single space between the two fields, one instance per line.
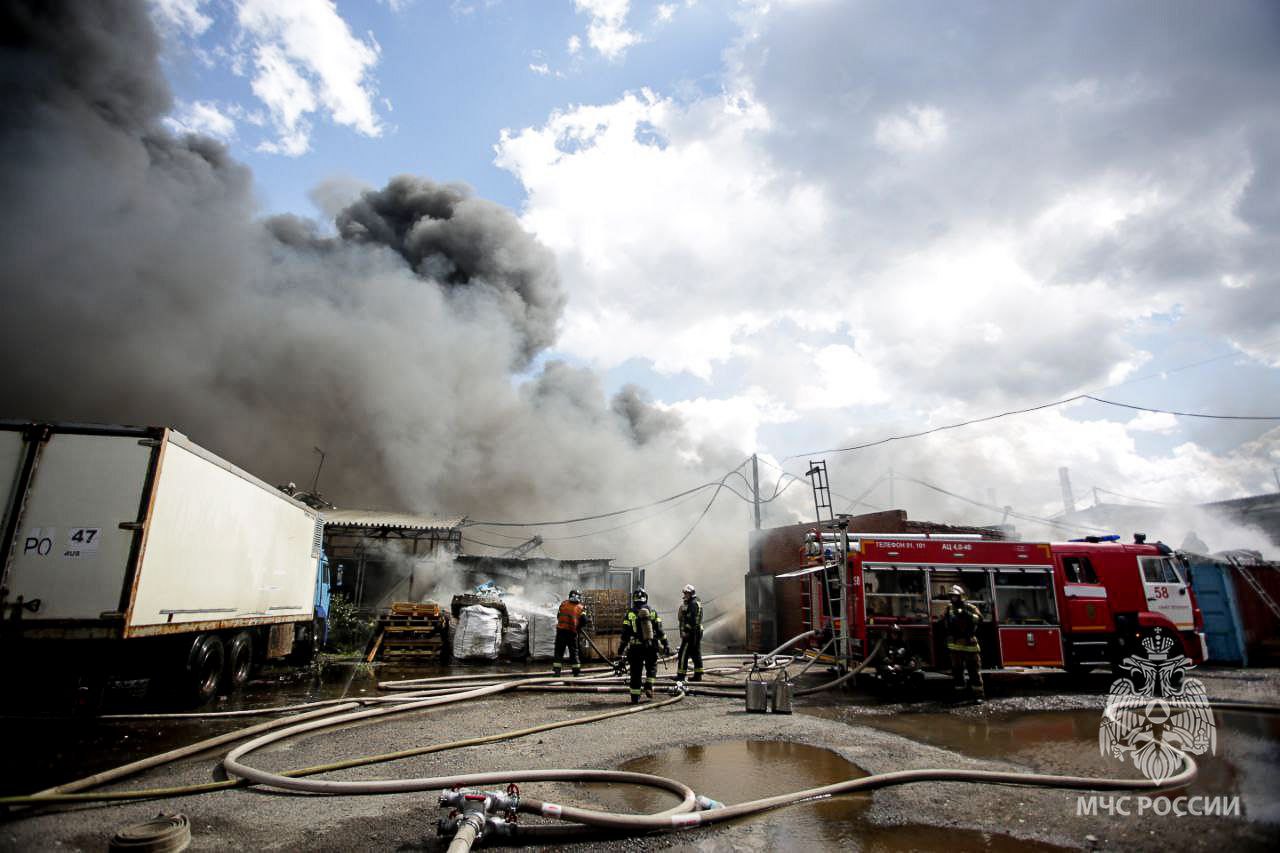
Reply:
x=1245 y=764
x=736 y=771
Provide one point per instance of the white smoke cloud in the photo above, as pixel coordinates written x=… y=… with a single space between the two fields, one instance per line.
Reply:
x=864 y=234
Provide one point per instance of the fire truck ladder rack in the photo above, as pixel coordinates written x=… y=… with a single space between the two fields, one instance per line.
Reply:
x=832 y=570
x=1258 y=588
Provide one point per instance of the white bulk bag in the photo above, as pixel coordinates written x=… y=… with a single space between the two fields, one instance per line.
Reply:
x=479 y=633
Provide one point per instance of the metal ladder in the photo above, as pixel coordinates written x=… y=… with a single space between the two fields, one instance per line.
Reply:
x=832 y=570
x=1258 y=588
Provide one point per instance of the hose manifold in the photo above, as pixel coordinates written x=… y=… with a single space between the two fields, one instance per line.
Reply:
x=487 y=813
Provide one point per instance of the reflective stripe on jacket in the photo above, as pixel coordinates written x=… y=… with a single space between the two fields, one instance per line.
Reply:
x=633 y=627
x=690 y=616
x=570 y=616
x=962 y=624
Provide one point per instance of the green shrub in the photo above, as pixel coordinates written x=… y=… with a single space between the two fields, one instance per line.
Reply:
x=348 y=632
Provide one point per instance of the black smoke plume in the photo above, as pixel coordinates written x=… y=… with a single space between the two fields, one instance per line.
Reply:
x=140 y=286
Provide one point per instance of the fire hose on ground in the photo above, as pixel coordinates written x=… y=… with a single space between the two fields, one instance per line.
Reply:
x=689 y=812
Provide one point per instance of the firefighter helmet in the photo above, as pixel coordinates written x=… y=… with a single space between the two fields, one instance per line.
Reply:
x=689 y=590
x=956 y=589
x=639 y=596
x=575 y=596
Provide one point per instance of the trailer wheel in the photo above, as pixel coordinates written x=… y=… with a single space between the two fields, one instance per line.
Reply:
x=204 y=668
x=239 y=660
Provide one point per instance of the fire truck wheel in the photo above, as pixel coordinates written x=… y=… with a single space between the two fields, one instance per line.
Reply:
x=239 y=661
x=204 y=669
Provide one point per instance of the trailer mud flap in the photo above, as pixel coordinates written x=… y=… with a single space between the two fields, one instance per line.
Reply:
x=280 y=640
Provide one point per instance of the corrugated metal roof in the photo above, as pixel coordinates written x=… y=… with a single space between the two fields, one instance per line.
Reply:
x=395 y=520
x=478 y=557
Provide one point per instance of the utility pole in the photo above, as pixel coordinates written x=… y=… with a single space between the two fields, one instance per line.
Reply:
x=755 y=485
x=891 y=504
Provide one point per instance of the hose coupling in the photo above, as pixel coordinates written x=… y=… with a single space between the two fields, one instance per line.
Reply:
x=485 y=802
x=707 y=804
x=489 y=813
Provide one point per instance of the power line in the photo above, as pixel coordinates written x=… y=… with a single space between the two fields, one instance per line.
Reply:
x=1018 y=515
x=1028 y=410
x=668 y=508
x=1162 y=373
x=485 y=544
x=667 y=553
x=1140 y=500
x=718 y=484
x=625 y=525
x=852 y=501
x=706 y=509
x=622 y=526
x=907 y=436
x=1182 y=414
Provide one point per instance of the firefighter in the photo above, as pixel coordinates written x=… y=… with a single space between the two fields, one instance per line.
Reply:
x=642 y=634
x=961 y=621
x=569 y=621
x=689 y=618
x=898 y=667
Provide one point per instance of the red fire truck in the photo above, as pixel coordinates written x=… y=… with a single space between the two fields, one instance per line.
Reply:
x=1073 y=605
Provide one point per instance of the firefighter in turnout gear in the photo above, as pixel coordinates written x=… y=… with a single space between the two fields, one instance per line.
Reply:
x=642 y=635
x=569 y=621
x=961 y=622
x=689 y=619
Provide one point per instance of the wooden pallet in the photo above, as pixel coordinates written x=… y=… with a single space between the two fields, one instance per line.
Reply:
x=411 y=630
x=415 y=609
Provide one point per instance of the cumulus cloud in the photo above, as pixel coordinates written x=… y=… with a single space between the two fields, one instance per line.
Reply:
x=302 y=62
x=180 y=16
x=306 y=60
x=940 y=216
x=607 y=31
x=682 y=219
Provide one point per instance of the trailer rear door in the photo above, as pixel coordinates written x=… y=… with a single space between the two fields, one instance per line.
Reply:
x=222 y=548
x=69 y=551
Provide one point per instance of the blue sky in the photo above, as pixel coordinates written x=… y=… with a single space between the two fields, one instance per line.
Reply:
x=799 y=225
x=455 y=75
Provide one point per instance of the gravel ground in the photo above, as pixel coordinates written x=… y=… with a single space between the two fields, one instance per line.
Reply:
x=1006 y=733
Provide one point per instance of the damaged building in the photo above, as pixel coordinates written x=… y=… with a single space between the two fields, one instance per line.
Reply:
x=377 y=557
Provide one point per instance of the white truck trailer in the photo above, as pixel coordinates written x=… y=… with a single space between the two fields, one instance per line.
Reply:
x=132 y=552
